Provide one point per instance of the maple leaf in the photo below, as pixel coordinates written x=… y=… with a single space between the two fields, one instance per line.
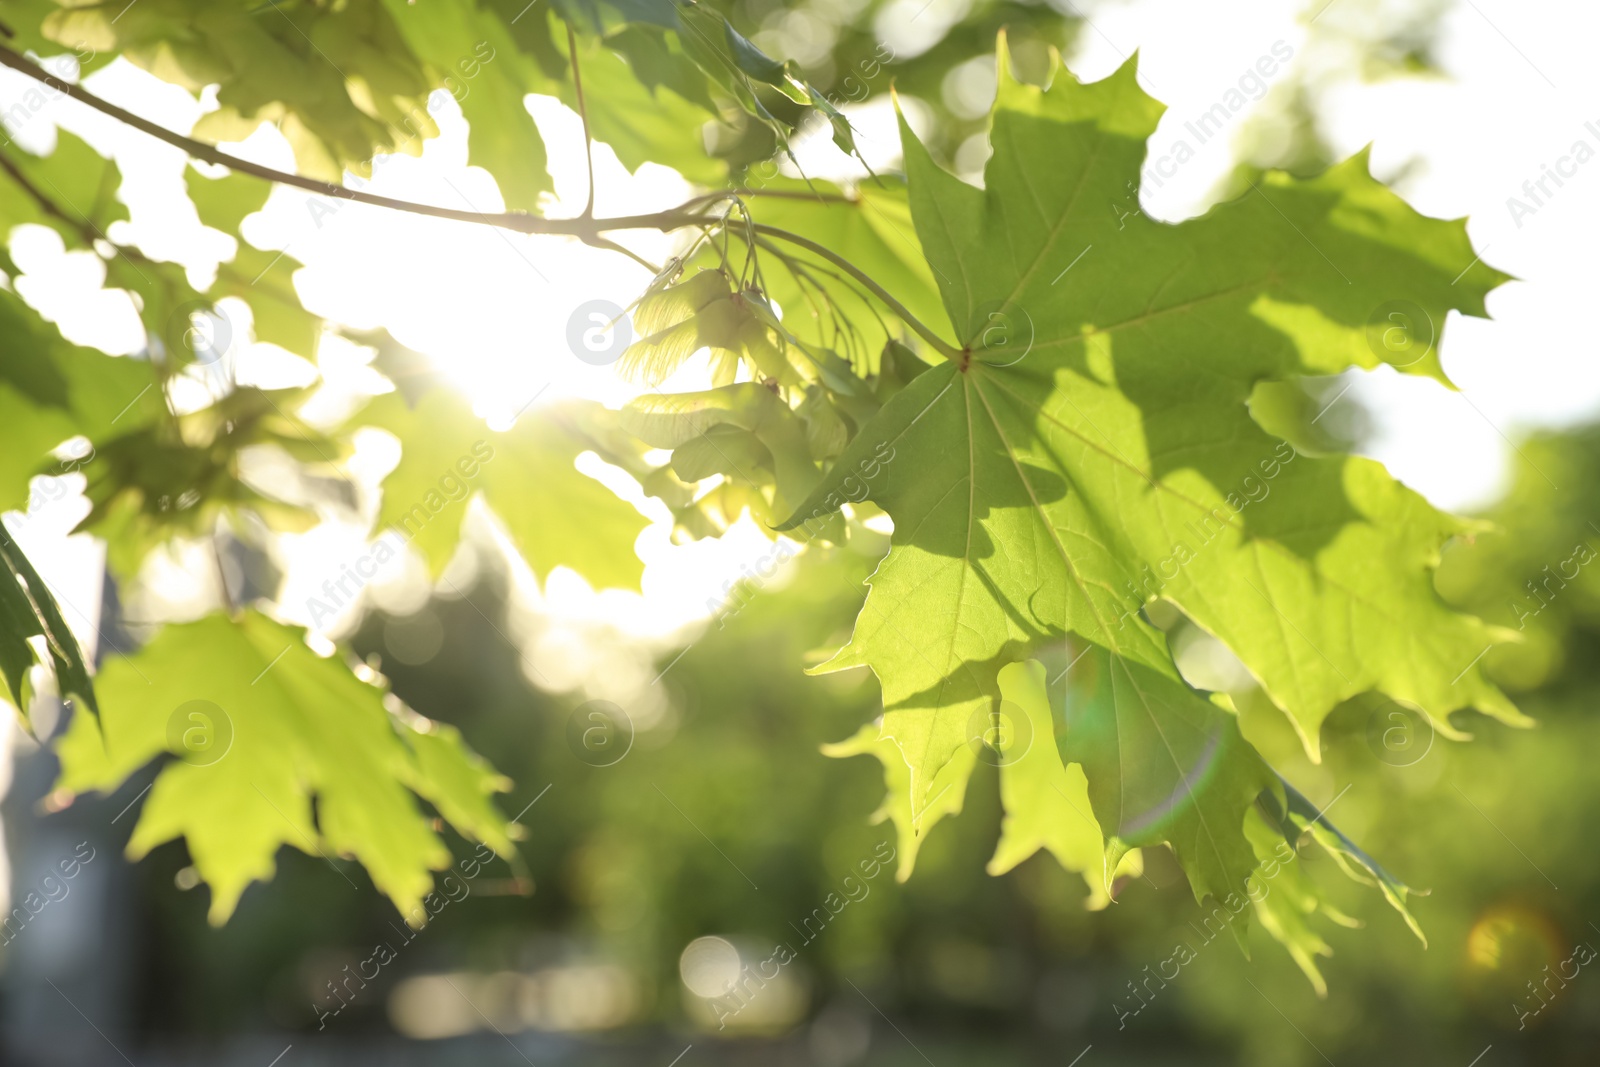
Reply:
x=1091 y=448
x=263 y=726
x=262 y=279
x=556 y=516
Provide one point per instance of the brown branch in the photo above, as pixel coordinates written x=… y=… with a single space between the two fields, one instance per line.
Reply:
x=515 y=221
x=47 y=205
x=587 y=229
x=83 y=226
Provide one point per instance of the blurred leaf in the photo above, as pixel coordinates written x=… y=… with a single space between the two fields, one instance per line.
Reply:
x=51 y=390
x=155 y=483
x=28 y=610
x=468 y=49
x=911 y=823
x=223 y=203
x=262 y=278
x=556 y=516
x=1284 y=899
x=699 y=424
x=642 y=104
x=277 y=746
x=1350 y=858
x=75 y=178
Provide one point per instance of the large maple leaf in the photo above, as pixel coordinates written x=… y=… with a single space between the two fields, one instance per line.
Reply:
x=1092 y=447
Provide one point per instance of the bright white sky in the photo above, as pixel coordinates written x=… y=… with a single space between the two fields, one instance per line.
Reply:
x=1513 y=101
x=492 y=308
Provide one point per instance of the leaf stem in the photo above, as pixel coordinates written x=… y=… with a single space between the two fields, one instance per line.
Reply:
x=922 y=330
x=222 y=575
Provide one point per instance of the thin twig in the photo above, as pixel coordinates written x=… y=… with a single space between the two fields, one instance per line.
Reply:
x=86 y=231
x=583 y=113
x=515 y=221
x=222 y=577
x=611 y=246
x=581 y=227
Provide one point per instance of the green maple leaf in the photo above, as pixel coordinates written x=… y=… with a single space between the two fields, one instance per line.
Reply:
x=641 y=98
x=1046 y=801
x=75 y=177
x=1163 y=764
x=471 y=51
x=1094 y=431
x=28 y=610
x=555 y=515
x=263 y=727
x=52 y=390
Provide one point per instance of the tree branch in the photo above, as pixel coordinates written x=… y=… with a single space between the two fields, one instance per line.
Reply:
x=586 y=228
x=515 y=221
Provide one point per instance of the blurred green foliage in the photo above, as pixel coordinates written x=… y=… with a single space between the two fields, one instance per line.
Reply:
x=633 y=861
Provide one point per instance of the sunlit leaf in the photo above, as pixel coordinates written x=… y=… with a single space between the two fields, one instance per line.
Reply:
x=556 y=516
x=277 y=746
